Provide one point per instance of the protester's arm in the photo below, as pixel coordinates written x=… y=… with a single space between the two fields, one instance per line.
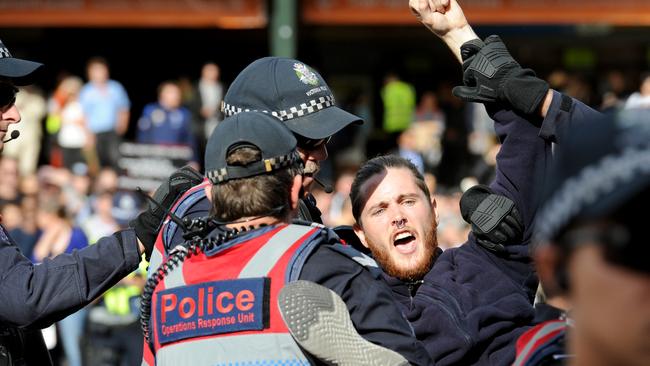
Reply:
x=523 y=166
x=523 y=162
x=38 y=295
x=446 y=19
x=524 y=156
x=564 y=111
x=373 y=310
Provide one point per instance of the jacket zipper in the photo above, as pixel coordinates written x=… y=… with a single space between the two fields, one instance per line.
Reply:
x=466 y=336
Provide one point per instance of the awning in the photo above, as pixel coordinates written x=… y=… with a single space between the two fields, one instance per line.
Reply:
x=482 y=12
x=227 y=14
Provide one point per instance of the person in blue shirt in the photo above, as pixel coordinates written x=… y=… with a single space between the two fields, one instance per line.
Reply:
x=106 y=106
x=167 y=122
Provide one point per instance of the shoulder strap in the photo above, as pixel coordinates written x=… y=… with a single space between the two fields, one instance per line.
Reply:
x=187 y=200
x=536 y=339
x=267 y=257
x=361 y=258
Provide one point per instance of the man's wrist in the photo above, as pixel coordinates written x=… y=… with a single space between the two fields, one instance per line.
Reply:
x=457 y=37
x=546 y=103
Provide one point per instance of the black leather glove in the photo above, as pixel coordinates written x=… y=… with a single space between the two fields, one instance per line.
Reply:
x=490 y=74
x=147 y=224
x=494 y=218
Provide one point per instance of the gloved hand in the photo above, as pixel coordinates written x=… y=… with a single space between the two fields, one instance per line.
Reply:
x=490 y=74
x=494 y=218
x=147 y=224
x=468 y=50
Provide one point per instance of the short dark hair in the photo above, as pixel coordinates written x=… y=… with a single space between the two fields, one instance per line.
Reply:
x=379 y=165
x=261 y=195
x=97 y=60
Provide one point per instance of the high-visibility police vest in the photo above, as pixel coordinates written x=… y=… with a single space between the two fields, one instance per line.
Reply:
x=220 y=307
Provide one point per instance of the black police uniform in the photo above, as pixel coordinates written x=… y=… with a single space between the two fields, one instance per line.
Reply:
x=35 y=296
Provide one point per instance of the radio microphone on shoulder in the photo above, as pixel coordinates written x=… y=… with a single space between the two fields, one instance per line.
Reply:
x=14 y=135
x=326 y=187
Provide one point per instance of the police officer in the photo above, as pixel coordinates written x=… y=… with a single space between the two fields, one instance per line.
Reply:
x=214 y=301
x=295 y=94
x=34 y=297
x=591 y=246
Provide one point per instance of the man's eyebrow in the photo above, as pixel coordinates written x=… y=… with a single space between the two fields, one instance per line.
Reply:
x=401 y=197
x=407 y=195
x=378 y=204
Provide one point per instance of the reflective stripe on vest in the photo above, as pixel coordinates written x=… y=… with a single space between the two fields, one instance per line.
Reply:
x=259 y=349
x=542 y=334
x=271 y=346
x=268 y=255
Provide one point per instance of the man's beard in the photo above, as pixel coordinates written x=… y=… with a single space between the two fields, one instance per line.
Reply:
x=388 y=265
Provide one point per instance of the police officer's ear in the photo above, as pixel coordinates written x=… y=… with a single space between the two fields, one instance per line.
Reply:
x=362 y=236
x=208 y=191
x=294 y=194
x=550 y=264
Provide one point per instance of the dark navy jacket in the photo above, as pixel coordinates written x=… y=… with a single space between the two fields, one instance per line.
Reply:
x=36 y=296
x=474 y=304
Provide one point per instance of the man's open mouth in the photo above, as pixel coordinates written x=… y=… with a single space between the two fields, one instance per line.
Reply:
x=405 y=242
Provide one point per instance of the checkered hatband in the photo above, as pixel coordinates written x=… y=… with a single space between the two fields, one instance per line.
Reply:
x=265 y=166
x=309 y=107
x=217 y=176
x=4 y=52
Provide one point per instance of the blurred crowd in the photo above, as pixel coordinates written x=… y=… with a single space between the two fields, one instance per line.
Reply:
x=60 y=189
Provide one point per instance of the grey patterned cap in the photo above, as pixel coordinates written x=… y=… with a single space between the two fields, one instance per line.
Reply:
x=275 y=142
x=290 y=91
